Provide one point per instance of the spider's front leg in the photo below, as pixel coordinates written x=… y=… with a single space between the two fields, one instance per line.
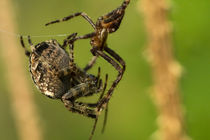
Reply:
x=84 y=15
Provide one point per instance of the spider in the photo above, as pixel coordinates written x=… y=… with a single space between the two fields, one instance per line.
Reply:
x=104 y=25
x=56 y=75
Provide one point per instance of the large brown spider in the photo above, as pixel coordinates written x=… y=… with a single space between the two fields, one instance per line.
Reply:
x=106 y=24
x=57 y=76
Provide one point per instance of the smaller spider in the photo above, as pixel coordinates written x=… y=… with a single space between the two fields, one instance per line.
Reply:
x=105 y=24
x=56 y=75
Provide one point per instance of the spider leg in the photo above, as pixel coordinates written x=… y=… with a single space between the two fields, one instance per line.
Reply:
x=90 y=63
x=30 y=43
x=65 y=42
x=105 y=118
x=76 y=92
x=70 y=40
x=102 y=94
x=115 y=56
x=103 y=102
x=86 y=36
x=27 y=53
x=84 y=15
x=84 y=110
x=106 y=110
x=71 y=48
x=93 y=129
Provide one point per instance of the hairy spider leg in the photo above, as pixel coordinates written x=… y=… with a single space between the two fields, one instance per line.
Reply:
x=27 y=53
x=84 y=15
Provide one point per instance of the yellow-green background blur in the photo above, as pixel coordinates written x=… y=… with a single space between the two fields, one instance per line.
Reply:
x=132 y=114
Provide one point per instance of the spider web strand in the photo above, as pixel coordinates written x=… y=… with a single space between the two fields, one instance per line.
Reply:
x=33 y=36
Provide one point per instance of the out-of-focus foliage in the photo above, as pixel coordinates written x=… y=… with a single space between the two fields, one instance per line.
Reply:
x=132 y=114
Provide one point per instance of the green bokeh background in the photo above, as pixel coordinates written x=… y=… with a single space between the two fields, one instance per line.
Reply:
x=132 y=114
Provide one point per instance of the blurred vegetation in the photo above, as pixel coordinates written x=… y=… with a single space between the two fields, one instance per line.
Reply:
x=131 y=112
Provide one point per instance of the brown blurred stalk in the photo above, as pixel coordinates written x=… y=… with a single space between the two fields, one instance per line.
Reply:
x=22 y=102
x=166 y=70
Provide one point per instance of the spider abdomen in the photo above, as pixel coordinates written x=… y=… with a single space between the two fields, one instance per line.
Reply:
x=46 y=60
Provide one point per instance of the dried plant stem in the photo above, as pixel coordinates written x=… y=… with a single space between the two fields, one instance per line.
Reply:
x=166 y=70
x=25 y=114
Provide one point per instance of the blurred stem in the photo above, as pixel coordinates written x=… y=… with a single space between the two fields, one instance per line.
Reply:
x=23 y=106
x=166 y=70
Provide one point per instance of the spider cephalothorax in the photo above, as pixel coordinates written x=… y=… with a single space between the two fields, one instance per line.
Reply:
x=56 y=75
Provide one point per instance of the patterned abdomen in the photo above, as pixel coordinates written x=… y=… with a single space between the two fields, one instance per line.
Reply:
x=46 y=60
